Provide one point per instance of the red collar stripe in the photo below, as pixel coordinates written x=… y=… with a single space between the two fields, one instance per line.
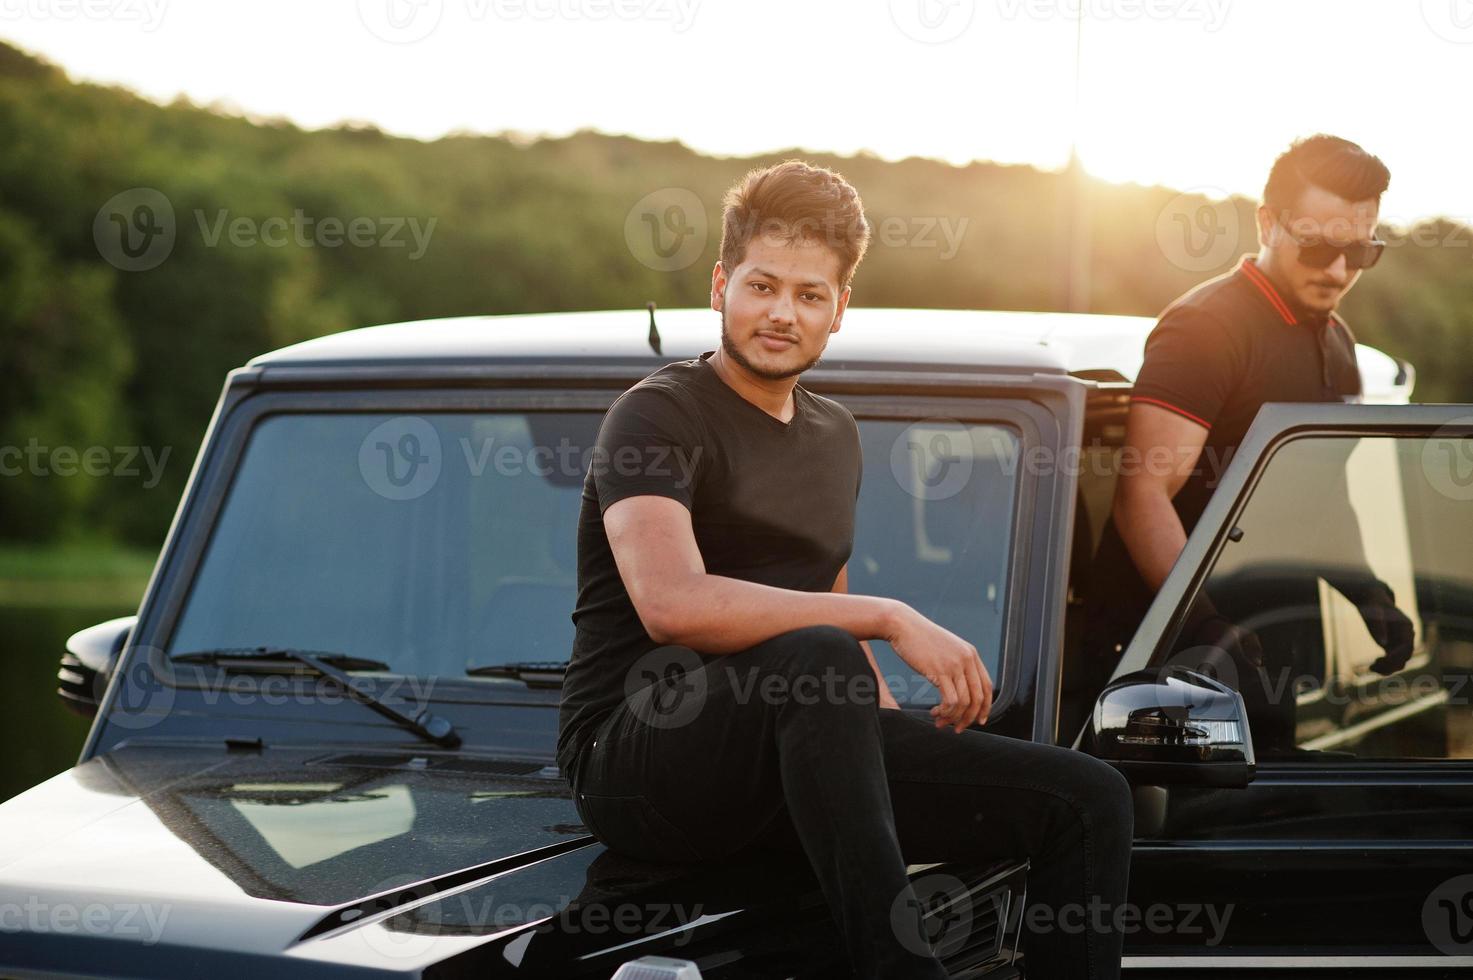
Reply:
x=1172 y=408
x=1265 y=287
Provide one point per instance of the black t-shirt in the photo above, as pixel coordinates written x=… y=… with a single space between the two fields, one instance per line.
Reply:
x=771 y=502
x=1216 y=355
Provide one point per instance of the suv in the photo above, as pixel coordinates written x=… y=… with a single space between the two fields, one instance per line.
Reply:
x=324 y=745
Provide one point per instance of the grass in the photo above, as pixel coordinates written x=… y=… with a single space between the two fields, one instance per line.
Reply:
x=73 y=574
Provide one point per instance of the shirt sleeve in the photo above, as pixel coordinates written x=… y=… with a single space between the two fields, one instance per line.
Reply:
x=648 y=445
x=1190 y=366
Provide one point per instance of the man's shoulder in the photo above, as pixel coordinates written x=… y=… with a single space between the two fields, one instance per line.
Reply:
x=829 y=408
x=671 y=382
x=1213 y=300
x=1217 y=306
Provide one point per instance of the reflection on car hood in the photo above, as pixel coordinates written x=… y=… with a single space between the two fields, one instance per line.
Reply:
x=196 y=847
x=170 y=858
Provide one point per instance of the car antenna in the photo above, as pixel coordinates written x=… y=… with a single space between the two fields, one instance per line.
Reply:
x=654 y=330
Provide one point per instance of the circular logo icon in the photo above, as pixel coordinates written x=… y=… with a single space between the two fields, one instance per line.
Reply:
x=1451 y=20
x=145 y=690
x=400 y=459
x=1447 y=916
x=1196 y=234
x=666 y=229
x=666 y=688
x=1210 y=661
x=409 y=933
x=933 y=21
x=401 y=21
x=1447 y=459
x=933 y=917
x=135 y=230
x=932 y=459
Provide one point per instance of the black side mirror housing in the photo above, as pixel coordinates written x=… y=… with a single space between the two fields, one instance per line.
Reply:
x=1172 y=726
x=87 y=664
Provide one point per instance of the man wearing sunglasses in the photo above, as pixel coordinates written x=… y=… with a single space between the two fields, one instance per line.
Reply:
x=1265 y=332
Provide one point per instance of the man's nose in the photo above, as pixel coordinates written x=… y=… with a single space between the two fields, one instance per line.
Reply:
x=781 y=310
x=1338 y=270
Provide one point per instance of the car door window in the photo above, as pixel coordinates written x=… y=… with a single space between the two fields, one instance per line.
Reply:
x=934 y=528
x=1341 y=603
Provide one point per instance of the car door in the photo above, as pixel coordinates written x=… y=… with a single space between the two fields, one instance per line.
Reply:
x=1336 y=530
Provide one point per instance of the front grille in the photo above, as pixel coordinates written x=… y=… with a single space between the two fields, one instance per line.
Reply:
x=970 y=921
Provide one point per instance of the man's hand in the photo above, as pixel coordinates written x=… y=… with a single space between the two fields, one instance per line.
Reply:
x=1389 y=627
x=1218 y=633
x=950 y=663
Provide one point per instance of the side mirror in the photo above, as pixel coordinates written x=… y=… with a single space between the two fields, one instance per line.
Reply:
x=88 y=661
x=1170 y=725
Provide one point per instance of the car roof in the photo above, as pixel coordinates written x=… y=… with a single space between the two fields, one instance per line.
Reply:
x=1104 y=347
x=896 y=338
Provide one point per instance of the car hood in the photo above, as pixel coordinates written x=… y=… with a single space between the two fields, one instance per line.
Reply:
x=169 y=859
x=154 y=849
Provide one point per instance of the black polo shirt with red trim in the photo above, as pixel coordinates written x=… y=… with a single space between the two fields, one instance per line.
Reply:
x=1231 y=344
x=1215 y=356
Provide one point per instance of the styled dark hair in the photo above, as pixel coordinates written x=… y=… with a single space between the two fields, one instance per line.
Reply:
x=1329 y=162
x=795 y=200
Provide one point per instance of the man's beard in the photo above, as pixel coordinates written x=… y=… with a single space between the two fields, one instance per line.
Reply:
x=765 y=374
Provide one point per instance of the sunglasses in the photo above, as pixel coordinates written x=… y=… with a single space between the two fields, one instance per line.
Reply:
x=1316 y=253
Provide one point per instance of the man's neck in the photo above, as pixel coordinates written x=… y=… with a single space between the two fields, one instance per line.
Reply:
x=1301 y=313
x=773 y=397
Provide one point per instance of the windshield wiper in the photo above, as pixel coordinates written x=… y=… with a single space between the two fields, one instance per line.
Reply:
x=343 y=661
x=428 y=726
x=533 y=673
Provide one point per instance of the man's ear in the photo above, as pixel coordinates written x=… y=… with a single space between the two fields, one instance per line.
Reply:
x=718 y=286
x=839 y=314
x=1266 y=234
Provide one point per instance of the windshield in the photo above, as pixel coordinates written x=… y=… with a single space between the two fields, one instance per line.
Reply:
x=445 y=541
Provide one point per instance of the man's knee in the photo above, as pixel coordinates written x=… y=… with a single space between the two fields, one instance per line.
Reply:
x=823 y=664
x=1105 y=795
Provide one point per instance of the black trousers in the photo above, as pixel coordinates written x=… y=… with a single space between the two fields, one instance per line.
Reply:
x=784 y=745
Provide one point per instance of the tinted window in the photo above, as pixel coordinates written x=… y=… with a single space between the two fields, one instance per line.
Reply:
x=1348 y=547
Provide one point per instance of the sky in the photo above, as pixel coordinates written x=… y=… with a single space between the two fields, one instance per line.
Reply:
x=1192 y=94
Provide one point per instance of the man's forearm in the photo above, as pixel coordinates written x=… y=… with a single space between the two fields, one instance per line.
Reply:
x=1152 y=532
x=715 y=614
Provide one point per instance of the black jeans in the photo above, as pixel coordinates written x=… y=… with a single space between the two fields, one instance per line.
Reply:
x=785 y=742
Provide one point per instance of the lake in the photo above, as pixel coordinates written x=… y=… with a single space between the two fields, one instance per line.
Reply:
x=41 y=737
